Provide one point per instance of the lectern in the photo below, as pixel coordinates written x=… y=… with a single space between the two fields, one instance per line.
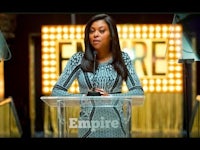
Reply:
x=123 y=103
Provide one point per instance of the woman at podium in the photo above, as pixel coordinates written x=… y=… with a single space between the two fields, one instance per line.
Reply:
x=100 y=69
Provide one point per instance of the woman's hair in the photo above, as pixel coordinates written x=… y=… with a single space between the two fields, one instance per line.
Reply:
x=88 y=58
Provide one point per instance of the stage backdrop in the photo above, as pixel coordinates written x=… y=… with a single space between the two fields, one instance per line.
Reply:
x=154 y=49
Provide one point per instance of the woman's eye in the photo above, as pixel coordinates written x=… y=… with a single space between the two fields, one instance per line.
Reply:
x=101 y=31
x=91 y=31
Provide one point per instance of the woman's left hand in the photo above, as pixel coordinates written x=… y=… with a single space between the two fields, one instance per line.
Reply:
x=102 y=91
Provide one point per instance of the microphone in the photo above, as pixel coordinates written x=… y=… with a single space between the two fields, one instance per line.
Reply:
x=93 y=92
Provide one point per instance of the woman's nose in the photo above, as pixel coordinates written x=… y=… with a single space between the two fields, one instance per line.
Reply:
x=96 y=33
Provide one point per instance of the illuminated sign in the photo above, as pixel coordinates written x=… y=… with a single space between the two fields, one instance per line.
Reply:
x=154 y=50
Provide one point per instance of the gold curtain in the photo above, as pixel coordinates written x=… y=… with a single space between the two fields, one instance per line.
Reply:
x=10 y=125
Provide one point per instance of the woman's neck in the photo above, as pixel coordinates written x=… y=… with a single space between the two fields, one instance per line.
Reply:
x=104 y=57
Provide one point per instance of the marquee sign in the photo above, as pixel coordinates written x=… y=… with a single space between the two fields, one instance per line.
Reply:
x=153 y=48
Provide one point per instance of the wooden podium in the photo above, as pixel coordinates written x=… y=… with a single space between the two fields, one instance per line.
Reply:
x=61 y=102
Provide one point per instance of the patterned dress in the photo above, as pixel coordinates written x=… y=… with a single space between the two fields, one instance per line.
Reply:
x=100 y=121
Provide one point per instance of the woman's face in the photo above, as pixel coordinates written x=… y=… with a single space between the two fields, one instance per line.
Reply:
x=99 y=36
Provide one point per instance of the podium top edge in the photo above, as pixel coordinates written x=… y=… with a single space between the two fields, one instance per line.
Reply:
x=75 y=100
x=88 y=97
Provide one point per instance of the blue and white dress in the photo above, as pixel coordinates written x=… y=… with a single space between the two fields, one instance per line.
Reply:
x=107 y=78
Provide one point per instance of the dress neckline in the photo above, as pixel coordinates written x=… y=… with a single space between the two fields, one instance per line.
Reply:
x=106 y=62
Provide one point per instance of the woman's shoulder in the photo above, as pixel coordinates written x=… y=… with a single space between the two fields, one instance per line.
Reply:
x=77 y=55
x=125 y=56
x=124 y=53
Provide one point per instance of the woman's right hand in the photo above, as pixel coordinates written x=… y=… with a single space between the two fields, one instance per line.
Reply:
x=101 y=91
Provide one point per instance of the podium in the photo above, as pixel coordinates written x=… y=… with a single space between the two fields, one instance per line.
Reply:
x=104 y=106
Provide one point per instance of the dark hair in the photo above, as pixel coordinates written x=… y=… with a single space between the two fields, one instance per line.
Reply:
x=88 y=58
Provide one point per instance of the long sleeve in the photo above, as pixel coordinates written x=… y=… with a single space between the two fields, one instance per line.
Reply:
x=68 y=75
x=133 y=81
x=104 y=77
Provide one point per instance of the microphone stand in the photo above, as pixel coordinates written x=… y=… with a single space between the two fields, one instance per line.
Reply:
x=93 y=92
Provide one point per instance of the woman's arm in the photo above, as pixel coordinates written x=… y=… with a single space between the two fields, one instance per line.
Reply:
x=133 y=81
x=68 y=75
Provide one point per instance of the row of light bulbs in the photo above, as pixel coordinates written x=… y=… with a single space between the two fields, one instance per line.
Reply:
x=173 y=33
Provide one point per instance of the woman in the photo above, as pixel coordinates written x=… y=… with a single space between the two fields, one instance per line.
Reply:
x=102 y=68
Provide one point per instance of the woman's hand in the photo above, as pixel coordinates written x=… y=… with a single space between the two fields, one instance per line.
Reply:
x=101 y=91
